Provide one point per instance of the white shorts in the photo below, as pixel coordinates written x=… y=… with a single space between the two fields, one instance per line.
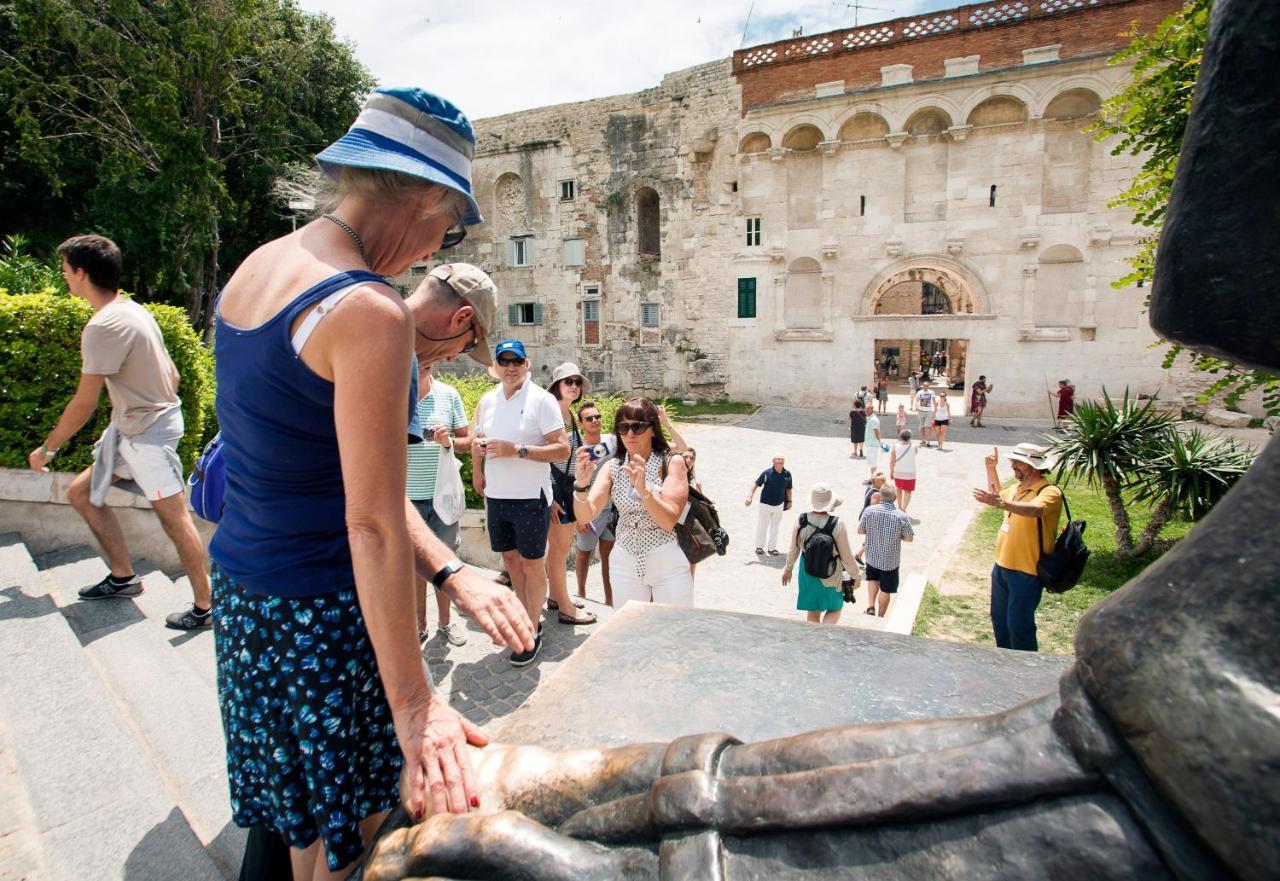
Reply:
x=155 y=468
x=872 y=449
x=667 y=578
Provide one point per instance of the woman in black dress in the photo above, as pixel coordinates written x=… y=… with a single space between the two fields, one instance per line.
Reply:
x=857 y=430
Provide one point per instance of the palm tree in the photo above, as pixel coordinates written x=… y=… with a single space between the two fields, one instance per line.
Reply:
x=1111 y=446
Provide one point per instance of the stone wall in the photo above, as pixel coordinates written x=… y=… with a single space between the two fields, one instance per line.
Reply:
x=779 y=226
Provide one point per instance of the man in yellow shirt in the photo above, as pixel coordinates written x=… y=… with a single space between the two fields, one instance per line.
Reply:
x=1032 y=507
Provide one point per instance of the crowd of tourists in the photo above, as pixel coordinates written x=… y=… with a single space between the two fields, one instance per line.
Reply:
x=340 y=503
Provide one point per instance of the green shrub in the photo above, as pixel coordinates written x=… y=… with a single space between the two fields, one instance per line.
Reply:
x=474 y=385
x=40 y=369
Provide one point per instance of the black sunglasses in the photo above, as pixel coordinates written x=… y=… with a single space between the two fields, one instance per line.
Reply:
x=469 y=347
x=510 y=362
x=636 y=428
x=454 y=235
x=595 y=418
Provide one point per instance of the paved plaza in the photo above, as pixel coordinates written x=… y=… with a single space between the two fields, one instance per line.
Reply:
x=486 y=687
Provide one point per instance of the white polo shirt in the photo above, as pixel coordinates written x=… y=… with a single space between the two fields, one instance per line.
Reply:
x=527 y=417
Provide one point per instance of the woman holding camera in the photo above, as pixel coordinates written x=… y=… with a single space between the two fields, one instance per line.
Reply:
x=647 y=563
x=598 y=532
x=568 y=385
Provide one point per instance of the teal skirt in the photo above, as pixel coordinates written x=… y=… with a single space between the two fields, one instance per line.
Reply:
x=813 y=595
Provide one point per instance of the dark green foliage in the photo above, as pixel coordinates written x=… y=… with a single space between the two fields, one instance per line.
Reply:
x=1193 y=472
x=40 y=369
x=163 y=124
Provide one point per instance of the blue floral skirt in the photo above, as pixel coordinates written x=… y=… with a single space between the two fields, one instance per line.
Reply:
x=311 y=749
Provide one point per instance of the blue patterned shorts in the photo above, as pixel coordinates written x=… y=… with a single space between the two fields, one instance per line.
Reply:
x=311 y=749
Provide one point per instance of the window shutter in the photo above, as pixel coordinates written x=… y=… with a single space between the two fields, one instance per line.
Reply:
x=513 y=315
x=511 y=252
x=537 y=313
x=746 y=298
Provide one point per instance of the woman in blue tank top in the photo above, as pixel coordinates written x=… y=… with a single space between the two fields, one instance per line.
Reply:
x=323 y=691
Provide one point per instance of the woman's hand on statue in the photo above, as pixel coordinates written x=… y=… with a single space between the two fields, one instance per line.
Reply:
x=437 y=776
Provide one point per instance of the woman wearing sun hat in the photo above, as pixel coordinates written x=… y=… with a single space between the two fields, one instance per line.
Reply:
x=322 y=687
x=568 y=386
x=821 y=599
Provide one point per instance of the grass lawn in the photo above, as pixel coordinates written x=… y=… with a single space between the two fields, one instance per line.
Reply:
x=679 y=410
x=958 y=610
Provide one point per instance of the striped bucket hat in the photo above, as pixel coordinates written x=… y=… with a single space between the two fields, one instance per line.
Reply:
x=413 y=132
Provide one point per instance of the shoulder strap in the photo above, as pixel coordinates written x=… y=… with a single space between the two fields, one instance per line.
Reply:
x=830 y=526
x=1039 y=528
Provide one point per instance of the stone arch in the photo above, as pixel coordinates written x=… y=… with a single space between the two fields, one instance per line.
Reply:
x=863 y=126
x=1017 y=91
x=1061 y=281
x=961 y=286
x=754 y=142
x=648 y=222
x=803 y=299
x=939 y=103
x=1069 y=104
x=998 y=110
x=803 y=137
x=928 y=121
x=509 y=204
x=1087 y=82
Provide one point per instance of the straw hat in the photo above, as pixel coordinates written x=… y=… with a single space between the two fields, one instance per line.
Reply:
x=1030 y=454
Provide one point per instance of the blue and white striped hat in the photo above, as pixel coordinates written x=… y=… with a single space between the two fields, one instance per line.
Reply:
x=413 y=132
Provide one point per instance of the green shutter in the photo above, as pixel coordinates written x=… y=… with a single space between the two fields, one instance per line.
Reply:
x=513 y=315
x=537 y=313
x=746 y=298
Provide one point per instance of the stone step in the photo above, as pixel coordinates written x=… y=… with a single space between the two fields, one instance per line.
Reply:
x=173 y=708
x=164 y=596
x=100 y=806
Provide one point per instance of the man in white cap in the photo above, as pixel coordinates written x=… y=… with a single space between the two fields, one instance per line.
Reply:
x=1032 y=507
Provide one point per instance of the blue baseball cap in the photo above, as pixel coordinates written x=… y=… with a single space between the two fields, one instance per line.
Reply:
x=509 y=346
x=413 y=132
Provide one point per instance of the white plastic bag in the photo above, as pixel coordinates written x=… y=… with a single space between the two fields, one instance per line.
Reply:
x=450 y=499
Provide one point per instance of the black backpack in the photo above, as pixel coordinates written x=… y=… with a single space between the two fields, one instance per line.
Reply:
x=821 y=556
x=1060 y=569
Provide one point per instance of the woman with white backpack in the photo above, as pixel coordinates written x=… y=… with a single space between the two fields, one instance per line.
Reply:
x=817 y=535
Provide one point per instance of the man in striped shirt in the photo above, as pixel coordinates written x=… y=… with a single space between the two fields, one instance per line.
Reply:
x=444 y=425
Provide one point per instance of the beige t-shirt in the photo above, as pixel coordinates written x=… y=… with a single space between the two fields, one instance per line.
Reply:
x=123 y=343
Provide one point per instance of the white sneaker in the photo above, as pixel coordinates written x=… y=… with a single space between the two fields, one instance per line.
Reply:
x=454 y=633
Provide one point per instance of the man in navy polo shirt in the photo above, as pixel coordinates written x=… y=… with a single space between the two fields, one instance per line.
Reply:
x=775 y=497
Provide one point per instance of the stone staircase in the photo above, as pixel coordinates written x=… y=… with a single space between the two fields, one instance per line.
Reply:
x=111 y=751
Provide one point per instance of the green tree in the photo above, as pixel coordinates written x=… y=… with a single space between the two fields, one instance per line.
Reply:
x=1149 y=118
x=167 y=120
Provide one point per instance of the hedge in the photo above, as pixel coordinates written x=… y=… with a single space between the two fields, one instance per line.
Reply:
x=40 y=369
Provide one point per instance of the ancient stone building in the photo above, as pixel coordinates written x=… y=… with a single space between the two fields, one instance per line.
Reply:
x=768 y=227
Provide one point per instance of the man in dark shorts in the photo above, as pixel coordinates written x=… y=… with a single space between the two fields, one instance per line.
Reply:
x=519 y=431
x=886 y=528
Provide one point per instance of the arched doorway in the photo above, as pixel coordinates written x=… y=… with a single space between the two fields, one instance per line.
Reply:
x=904 y=347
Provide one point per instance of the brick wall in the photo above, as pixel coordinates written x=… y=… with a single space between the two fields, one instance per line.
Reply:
x=1088 y=31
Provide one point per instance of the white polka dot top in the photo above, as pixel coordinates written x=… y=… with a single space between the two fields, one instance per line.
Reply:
x=637 y=531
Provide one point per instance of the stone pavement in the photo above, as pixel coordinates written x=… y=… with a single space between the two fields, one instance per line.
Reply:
x=485 y=687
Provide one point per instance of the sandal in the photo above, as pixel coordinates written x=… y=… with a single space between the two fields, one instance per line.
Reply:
x=504 y=579
x=871 y=610
x=584 y=618
x=555 y=607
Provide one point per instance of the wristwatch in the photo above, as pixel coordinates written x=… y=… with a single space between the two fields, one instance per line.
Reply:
x=448 y=569
x=522 y=451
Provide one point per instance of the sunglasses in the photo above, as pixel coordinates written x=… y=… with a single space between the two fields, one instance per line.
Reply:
x=636 y=428
x=510 y=362
x=454 y=235
x=595 y=418
x=572 y=380
x=469 y=347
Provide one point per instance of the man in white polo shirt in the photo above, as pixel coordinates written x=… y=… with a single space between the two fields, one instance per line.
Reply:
x=519 y=431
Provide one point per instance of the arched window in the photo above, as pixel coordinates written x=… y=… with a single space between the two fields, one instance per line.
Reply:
x=756 y=142
x=1000 y=110
x=802 y=138
x=647 y=221
x=863 y=127
x=803 y=301
x=1060 y=287
x=928 y=121
x=933 y=301
x=1073 y=104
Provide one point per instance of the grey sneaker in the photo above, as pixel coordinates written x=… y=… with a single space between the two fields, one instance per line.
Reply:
x=189 y=619
x=106 y=588
x=454 y=633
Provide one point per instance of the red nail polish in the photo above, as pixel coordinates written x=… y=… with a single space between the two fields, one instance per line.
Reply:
x=475 y=801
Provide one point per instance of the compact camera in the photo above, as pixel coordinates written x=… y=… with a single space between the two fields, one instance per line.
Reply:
x=597 y=452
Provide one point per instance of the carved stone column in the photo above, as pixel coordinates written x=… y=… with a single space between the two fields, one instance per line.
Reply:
x=1027 y=322
x=779 y=302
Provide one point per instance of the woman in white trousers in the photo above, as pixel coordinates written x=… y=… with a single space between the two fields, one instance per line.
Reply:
x=647 y=564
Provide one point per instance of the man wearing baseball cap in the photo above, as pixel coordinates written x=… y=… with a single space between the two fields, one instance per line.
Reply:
x=1032 y=507
x=452 y=311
